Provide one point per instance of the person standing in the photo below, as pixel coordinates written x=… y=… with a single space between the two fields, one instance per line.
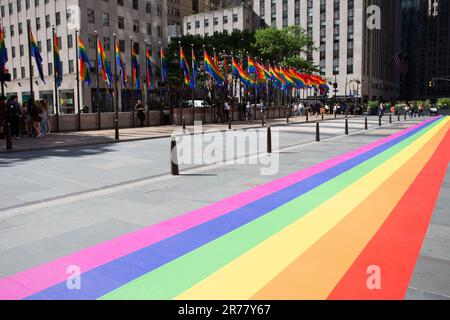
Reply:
x=44 y=119
x=227 y=111
x=139 y=108
x=2 y=117
x=14 y=116
x=248 y=111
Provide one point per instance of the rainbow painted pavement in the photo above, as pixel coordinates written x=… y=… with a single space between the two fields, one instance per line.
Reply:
x=310 y=235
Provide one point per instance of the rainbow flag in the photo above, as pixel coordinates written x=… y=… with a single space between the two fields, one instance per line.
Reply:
x=325 y=223
x=163 y=65
x=289 y=81
x=251 y=66
x=120 y=62
x=3 y=51
x=57 y=58
x=103 y=65
x=150 y=75
x=185 y=67
x=194 y=69
x=275 y=76
x=239 y=72
x=213 y=70
x=296 y=77
x=135 y=70
x=318 y=79
x=37 y=56
x=85 y=65
x=324 y=89
x=262 y=73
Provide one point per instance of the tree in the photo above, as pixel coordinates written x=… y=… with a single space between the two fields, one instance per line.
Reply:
x=288 y=46
x=443 y=102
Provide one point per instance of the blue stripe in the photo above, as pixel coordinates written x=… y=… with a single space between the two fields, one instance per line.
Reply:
x=113 y=275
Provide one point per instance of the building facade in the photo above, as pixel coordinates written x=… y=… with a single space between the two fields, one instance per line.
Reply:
x=241 y=17
x=357 y=57
x=145 y=21
x=426 y=48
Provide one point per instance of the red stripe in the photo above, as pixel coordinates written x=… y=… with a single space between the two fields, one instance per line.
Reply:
x=396 y=246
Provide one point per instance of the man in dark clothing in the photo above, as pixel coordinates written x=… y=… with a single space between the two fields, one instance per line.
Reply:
x=13 y=116
x=2 y=117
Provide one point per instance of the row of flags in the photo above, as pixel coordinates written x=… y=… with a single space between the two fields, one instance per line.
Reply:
x=104 y=66
x=280 y=76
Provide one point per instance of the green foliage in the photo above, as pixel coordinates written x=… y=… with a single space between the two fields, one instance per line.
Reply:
x=372 y=104
x=443 y=103
x=288 y=45
x=238 y=42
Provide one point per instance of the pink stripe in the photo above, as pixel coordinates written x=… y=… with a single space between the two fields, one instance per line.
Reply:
x=32 y=281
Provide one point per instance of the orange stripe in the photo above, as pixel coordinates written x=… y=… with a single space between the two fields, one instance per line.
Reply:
x=397 y=244
x=314 y=274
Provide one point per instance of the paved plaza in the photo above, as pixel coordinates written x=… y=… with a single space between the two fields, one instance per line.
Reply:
x=334 y=214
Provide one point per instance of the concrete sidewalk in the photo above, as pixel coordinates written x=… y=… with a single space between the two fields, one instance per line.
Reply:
x=57 y=202
x=86 y=138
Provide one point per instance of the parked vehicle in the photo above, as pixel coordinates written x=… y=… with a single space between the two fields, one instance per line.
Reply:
x=197 y=104
x=433 y=111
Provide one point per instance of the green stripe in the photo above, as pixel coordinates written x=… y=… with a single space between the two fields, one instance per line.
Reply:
x=181 y=274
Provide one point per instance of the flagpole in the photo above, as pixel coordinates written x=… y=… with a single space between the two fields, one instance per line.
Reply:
x=55 y=74
x=78 y=79
x=116 y=92
x=181 y=87
x=233 y=104
x=31 y=100
x=216 y=109
x=2 y=70
x=161 y=71
x=98 y=82
x=194 y=83
x=132 y=91
x=147 y=77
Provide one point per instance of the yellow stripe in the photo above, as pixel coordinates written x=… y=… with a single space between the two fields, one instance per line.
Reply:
x=245 y=276
x=336 y=252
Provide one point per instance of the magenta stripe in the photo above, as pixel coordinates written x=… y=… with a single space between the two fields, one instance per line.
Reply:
x=39 y=278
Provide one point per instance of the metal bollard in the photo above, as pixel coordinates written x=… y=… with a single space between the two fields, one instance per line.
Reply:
x=184 y=123
x=398 y=120
x=9 y=145
x=116 y=127
x=229 y=122
x=379 y=121
x=317 y=131
x=307 y=116
x=346 y=126
x=174 y=168
x=366 y=124
x=390 y=118
x=269 y=140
